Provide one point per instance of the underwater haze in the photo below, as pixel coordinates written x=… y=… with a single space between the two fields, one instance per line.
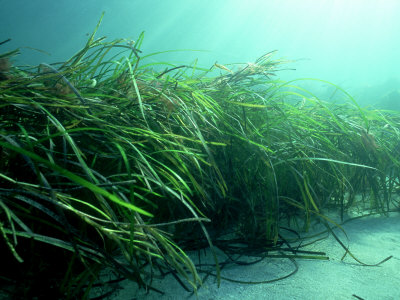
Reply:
x=354 y=44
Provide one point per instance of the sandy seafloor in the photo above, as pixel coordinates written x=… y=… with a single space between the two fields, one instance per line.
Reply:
x=371 y=240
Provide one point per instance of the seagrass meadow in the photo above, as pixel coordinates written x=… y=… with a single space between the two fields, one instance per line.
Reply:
x=111 y=160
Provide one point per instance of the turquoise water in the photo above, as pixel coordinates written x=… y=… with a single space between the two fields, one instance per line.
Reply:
x=351 y=43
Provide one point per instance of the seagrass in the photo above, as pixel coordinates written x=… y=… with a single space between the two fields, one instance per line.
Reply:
x=114 y=161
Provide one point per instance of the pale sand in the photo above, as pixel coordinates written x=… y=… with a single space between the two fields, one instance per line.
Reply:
x=372 y=239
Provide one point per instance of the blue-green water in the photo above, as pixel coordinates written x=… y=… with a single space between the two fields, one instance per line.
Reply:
x=351 y=43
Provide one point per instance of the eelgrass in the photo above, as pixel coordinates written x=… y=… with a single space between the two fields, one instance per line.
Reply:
x=114 y=161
